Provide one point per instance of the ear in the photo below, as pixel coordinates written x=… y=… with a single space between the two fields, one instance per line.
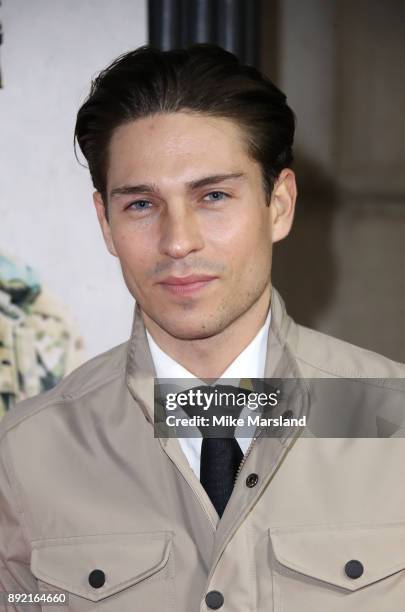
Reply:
x=283 y=204
x=104 y=224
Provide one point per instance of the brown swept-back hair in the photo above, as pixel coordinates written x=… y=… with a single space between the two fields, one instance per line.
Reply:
x=203 y=78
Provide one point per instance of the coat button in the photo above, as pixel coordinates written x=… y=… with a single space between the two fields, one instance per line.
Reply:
x=252 y=480
x=288 y=414
x=354 y=569
x=214 y=600
x=97 y=578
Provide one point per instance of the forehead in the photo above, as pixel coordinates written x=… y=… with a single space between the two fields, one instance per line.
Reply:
x=176 y=146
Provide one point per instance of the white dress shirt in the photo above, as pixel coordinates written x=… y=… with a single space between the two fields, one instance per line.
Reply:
x=250 y=363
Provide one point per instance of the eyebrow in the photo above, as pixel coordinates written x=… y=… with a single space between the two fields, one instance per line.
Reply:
x=191 y=185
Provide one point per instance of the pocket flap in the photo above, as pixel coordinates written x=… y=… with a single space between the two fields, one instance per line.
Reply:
x=323 y=552
x=125 y=559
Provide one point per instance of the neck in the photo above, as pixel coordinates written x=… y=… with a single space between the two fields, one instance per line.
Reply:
x=210 y=357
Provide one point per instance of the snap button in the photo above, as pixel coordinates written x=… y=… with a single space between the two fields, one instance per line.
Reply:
x=96 y=578
x=354 y=569
x=252 y=480
x=214 y=600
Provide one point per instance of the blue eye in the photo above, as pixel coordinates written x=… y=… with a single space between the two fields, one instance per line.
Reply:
x=216 y=192
x=140 y=202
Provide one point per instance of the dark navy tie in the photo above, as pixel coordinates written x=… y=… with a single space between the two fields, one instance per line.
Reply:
x=220 y=456
x=220 y=459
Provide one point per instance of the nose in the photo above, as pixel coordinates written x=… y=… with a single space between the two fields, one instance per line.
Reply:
x=180 y=233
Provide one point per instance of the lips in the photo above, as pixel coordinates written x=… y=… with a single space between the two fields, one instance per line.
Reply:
x=182 y=286
x=186 y=280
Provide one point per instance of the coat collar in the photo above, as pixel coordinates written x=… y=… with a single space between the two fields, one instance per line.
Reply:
x=280 y=361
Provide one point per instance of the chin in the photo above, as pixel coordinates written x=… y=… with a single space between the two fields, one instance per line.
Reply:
x=189 y=331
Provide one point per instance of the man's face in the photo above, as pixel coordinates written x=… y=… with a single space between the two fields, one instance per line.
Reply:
x=221 y=229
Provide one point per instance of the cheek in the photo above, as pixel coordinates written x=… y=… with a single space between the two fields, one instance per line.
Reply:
x=134 y=252
x=245 y=245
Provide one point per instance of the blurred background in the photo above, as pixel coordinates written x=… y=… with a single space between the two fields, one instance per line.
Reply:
x=340 y=63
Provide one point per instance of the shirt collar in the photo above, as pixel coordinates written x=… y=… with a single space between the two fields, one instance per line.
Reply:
x=250 y=363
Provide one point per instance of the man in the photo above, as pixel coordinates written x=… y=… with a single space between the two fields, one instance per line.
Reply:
x=190 y=156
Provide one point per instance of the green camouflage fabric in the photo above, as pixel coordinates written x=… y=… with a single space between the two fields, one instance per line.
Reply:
x=39 y=341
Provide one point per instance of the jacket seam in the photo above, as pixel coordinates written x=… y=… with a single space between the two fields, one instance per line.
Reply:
x=338 y=527
x=72 y=540
x=365 y=380
x=15 y=497
x=62 y=399
x=68 y=396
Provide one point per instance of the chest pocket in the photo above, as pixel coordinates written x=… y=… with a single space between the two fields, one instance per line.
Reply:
x=131 y=571
x=339 y=569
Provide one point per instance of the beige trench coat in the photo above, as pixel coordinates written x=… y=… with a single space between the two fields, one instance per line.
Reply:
x=85 y=485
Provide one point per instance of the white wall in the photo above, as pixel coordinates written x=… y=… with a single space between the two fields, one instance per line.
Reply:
x=51 y=50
